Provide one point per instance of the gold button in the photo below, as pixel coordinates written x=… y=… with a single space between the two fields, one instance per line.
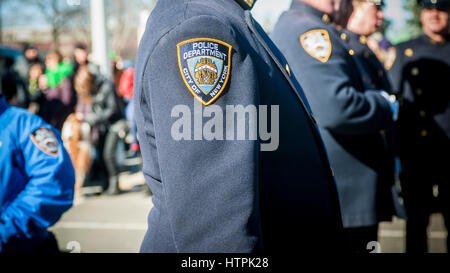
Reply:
x=363 y=40
x=288 y=70
x=344 y=37
x=422 y=113
x=419 y=92
x=415 y=71
x=424 y=133
x=326 y=18
x=409 y=52
x=351 y=52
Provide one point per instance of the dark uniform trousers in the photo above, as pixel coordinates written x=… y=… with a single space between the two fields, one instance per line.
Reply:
x=229 y=196
x=420 y=74
x=351 y=115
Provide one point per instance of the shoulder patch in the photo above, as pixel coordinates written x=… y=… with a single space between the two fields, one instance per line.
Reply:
x=317 y=43
x=205 y=66
x=391 y=56
x=46 y=141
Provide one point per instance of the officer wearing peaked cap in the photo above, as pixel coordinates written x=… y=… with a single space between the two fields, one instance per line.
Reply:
x=351 y=114
x=222 y=195
x=420 y=73
x=365 y=20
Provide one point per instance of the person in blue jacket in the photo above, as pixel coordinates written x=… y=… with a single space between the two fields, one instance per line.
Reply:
x=36 y=179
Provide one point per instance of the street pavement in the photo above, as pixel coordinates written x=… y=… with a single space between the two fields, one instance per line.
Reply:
x=106 y=224
x=117 y=224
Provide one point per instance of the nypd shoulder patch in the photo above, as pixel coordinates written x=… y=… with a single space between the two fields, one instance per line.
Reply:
x=46 y=141
x=205 y=66
x=317 y=43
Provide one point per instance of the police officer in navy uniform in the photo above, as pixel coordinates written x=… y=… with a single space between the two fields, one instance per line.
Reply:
x=366 y=18
x=36 y=178
x=225 y=195
x=420 y=73
x=352 y=115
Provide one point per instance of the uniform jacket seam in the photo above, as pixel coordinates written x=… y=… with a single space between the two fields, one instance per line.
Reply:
x=145 y=72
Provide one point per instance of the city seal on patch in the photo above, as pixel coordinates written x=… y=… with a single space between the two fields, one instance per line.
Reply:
x=46 y=141
x=205 y=66
x=317 y=43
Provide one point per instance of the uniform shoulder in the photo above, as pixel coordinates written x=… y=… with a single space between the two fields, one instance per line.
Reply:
x=167 y=15
x=204 y=40
x=301 y=22
x=29 y=128
x=189 y=20
x=407 y=44
x=226 y=12
x=16 y=113
x=25 y=121
x=293 y=25
x=406 y=50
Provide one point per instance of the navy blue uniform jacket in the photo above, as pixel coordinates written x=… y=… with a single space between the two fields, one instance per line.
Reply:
x=351 y=116
x=420 y=75
x=228 y=196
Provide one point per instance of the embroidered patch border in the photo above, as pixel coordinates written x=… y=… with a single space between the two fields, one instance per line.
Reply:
x=206 y=74
x=46 y=141
x=326 y=35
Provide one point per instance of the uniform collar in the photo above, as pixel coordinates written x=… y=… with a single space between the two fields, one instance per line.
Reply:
x=433 y=42
x=246 y=4
x=347 y=35
x=297 y=5
x=3 y=105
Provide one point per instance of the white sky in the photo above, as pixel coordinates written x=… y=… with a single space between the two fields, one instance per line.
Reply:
x=266 y=12
x=269 y=8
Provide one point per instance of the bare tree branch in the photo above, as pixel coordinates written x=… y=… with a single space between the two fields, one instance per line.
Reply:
x=57 y=13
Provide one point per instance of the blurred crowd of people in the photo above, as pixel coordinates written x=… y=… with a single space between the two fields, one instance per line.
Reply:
x=88 y=109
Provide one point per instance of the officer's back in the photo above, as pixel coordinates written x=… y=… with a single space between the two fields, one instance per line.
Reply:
x=228 y=196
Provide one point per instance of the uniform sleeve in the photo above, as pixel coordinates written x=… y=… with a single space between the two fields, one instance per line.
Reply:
x=48 y=193
x=210 y=186
x=331 y=91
